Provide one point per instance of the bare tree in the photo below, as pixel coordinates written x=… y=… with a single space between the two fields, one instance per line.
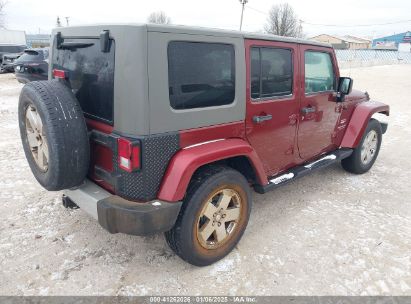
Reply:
x=283 y=21
x=159 y=17
x=2 y=13
x=58 y=22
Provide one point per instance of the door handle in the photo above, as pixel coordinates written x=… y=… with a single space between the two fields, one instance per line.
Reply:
x=308 y=110
x=260 y=119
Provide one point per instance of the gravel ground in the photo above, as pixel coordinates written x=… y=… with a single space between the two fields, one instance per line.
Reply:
x=331 y=233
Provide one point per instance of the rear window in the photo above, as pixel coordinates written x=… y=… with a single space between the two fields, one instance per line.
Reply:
x=90 y=74
x=200 y=74
x=31 y=56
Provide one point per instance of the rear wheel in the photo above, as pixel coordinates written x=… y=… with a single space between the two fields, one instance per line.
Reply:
x=365 y=154
x=213 y=218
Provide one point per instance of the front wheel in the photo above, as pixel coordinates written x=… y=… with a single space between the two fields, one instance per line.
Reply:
x=213 y=218
x=365 y=154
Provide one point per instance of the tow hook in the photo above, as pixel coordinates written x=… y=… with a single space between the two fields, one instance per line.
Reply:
x=68 y=203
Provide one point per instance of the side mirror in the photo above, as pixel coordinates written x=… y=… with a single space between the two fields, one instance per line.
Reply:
x=344 y=87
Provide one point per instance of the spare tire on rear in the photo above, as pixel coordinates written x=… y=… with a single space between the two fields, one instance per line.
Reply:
x=54 y=134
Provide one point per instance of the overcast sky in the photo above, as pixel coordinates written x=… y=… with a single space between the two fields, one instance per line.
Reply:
x=40 y=15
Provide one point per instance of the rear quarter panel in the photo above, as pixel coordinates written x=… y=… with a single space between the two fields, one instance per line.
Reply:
x=185 y=162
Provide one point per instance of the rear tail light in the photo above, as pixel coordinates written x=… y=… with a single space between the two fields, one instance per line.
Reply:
x=128 y=154
x=59 y=74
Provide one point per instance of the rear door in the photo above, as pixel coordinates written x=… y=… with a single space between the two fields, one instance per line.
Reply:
x=272 y=102
x=319 y=112
x=90 y=75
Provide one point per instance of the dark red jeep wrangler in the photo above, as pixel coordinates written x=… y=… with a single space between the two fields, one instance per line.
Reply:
x=166 y=129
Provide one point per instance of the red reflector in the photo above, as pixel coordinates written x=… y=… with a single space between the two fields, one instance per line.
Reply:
x=59 y=74
x=128 y=155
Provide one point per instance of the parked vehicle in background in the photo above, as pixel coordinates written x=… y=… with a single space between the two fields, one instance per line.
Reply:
x=32 y=65
x=7 y=64
x=12 y=44
x=153 y=128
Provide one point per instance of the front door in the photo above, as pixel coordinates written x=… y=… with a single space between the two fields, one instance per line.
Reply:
x=319 y=110
x=272 y=102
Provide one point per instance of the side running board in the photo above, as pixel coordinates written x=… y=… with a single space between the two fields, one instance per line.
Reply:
x=299 y=171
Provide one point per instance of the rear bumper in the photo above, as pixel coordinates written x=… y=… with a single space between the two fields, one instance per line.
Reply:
x=22 y=78
x=25 y=77
x=116 y=214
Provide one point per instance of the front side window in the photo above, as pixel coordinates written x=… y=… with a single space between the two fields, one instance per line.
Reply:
x=200 y=74
x=271 y=72
x=319 y=72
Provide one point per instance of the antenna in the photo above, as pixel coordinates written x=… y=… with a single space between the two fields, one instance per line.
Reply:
x=243 y=3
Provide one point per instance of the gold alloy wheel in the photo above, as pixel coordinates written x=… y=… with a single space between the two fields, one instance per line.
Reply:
x=219 y=218
x=369 y=147
x=36 y=138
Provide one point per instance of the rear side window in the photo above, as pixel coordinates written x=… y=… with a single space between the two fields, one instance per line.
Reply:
x=271 y=72
x=90 y=74
x=319 y=72
x=200 y=74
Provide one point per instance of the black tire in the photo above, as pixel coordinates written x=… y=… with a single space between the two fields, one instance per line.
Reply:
x=182 y=238
x=64 y=127
x=354 y=163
